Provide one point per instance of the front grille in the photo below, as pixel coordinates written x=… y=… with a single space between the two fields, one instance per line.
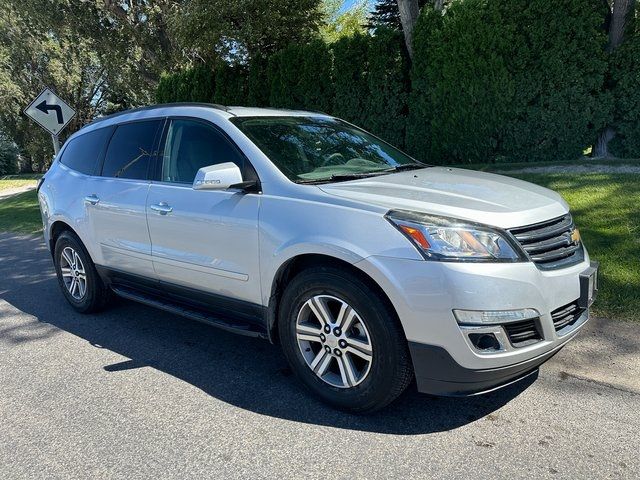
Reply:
x=566 y=315
x=523 y=333
x=549 y=244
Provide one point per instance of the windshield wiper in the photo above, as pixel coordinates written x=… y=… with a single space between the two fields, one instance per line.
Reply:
x=407 y=166
x=341 y=177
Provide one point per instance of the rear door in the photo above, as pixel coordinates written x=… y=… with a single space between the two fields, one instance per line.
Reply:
x=204 y=240
x=117 y=199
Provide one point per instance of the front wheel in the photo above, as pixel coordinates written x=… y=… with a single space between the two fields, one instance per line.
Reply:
x=343 y=341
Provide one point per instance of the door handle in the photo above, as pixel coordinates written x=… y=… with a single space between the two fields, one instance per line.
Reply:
x=92 y=199
x=162 y=208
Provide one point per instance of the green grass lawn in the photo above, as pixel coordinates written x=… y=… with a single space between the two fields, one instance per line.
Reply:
x=20 y=213
x=16 y=181
x=605 y=208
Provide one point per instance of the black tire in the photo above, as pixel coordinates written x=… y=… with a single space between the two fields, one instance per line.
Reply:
x=390 y=372
x=97 y=294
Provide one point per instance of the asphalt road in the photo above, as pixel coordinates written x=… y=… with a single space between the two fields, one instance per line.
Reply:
x=137 y=393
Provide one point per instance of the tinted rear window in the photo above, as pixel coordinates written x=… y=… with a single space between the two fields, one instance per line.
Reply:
x=130 y=150
x=81 y=153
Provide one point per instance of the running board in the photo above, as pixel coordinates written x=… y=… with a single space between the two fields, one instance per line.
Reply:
x=230 y=325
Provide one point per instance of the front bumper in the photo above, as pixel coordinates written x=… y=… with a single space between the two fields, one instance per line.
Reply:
x=425 y=294
x=437 y=373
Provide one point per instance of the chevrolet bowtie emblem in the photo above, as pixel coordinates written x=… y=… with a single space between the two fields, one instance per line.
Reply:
x=575 y=235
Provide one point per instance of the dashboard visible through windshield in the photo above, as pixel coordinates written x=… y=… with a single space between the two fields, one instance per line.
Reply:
x=322 y=149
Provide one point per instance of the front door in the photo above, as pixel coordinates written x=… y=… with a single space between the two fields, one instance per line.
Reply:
x=203 y=240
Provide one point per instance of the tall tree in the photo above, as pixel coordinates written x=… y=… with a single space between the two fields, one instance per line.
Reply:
x=620 y=15
x=341 y=20
x=243 y=29
x=409 y=11
x=86 y=55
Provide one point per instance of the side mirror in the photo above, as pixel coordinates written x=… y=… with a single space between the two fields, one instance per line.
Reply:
x=217 y=177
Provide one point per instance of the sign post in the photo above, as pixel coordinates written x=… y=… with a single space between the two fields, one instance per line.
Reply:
x=51 y=113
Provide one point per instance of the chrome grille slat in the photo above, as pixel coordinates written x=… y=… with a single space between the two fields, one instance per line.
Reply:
x=540 y=231
x=549 y=244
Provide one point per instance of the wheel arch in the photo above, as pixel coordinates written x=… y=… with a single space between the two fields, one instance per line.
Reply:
x=56 y=229
x=297 y=264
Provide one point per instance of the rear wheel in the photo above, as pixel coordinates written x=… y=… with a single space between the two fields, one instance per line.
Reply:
x=343 y=341
x=77 y=275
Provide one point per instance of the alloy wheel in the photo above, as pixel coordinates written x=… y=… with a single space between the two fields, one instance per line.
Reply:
x=334 y=341
x=73 y=273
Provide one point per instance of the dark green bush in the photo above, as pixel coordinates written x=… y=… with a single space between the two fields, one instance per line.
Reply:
x=351 y=78
x=258 y=83
x=388 y=86
x=192 y=85
x=230 y=85
x=625 y=77
x=517 y=79
x=491 y=80
x=300 y=77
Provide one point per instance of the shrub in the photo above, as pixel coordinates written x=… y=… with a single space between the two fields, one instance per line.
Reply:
x=300 y=77
x=230 y=84
x=258 y=83
x=388 y=86
x=517 y=79
x=351 y=78
x=192 y=85
x=625 y=65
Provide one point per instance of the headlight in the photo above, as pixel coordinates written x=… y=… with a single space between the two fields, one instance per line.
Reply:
x=442 y=238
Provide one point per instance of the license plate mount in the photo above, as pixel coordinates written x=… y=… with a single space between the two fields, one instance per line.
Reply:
x=588 y=286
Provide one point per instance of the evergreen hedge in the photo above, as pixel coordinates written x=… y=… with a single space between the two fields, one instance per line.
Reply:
x=517 y=80
x=625 y=88
x=300 y=77
x=490 y=81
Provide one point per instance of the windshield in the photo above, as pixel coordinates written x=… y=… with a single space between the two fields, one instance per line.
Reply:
x=319 y=149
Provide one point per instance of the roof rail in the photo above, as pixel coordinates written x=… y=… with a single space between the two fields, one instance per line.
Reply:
x=160 y=105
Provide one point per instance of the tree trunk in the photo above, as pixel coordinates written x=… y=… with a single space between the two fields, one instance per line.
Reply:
x=601 y=148
x=409 y=11
x=438 y=5
x=621 y=12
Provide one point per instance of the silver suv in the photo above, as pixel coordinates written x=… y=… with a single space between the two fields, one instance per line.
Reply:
x=369 y=268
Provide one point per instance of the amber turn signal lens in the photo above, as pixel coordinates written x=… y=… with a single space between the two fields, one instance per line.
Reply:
x=417 y=235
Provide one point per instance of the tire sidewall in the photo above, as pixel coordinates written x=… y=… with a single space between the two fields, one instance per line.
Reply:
x=373 y=312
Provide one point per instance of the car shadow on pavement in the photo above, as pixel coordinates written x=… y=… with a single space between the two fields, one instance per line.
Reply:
x=245 y=372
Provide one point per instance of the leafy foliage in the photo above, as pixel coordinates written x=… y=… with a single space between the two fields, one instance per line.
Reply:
x=518 y=80
x=243 y=29
x=8 y=156
x=342 y=20
x=300 y=77
x=388 y=86
x=351 y=78
x=625 y=65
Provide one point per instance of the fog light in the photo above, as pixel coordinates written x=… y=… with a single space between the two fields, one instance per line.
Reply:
x=493 y=317
x=484 y=341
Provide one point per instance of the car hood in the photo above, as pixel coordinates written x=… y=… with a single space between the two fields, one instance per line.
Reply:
x=466 y=194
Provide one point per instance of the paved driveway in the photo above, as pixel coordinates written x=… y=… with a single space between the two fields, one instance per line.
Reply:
x=137 y=393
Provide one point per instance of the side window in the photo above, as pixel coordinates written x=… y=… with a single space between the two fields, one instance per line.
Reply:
x=130 y=150
x=82 y=152
x=191 y=145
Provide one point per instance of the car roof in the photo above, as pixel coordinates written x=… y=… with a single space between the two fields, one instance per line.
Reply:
x=191 y=108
